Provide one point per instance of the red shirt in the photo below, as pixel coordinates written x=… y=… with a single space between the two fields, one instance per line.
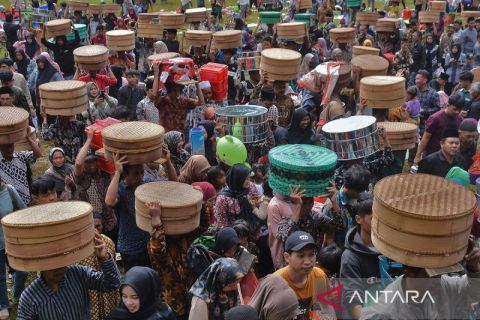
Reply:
x=102 y=81
x=99 y=40
x=173 y=115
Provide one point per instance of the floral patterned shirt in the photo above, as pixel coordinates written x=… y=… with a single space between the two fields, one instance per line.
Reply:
x=173 y=114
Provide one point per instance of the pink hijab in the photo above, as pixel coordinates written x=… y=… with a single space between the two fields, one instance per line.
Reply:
x=321 y=46
x=53 y=63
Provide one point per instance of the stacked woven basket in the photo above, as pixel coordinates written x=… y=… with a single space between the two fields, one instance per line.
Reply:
x=363 y=50
x=161 y=56
x=386 y=25
x=438 y=6
x=291 y=30
x=422 y=220
x=171 y=20
x=58 y=27
x=91 y=57
x=383 y=92
x=467 y=14
x=13 y=124
x=76 y=5
x=141 y=142
x=120 y=40
x=401 y=135
x=195 y=15
x=147 y=17
x=342 y=35
x=307 y=166
x=49 y=236
x=428 y=16
x=180 y=204
x=149 y=30
x=370 y=65
x=24 y=145
x=368 y=18
x=228 y=39
x=198 y=38
x=280 y=64
x=64 y=98
x=304 y=4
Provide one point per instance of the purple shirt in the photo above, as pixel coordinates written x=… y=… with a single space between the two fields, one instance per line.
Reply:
x=435 y=125
x=412 y=107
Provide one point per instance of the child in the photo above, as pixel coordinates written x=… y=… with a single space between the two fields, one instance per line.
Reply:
x=260 y=174
x=216 y=176
x=411 y=107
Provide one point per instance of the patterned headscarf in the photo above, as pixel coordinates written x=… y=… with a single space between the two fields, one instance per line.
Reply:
x=209 y=287
x=178 y=157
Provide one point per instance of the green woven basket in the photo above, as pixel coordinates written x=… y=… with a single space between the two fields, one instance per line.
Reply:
x=305 y=17
x=311 y=167
x=270 y=17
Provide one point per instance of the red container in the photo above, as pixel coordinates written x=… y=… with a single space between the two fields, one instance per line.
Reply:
x=406 y=14
x=98 y=126
x=177 y=67
x=217 y=75
x=106 y=165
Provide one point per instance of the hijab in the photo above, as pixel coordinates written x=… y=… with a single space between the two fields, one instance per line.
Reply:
x=31 y=48
x=146 y=283
x=46 y=74
x=334 y=110
x=208 y=190
x=160 y=46
x=210 y=152
x=193 y=168
x=321 y=46
x=225 y=239
x=117 y=72
x=274 y=299
x=59 y=173
x=243 y=312
x=305 y=66
x=22 y=65
x=297 y=135
x=209 y=287
x=178 y=157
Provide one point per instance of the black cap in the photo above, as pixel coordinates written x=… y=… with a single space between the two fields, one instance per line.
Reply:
x=450 y=132
x=298 y=240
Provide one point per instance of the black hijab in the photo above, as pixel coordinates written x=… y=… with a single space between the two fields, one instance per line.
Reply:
x=297 y=135
x=147 y=285
x=31 y=48
x=210 y=152
x=45 y=74
x=22 y=65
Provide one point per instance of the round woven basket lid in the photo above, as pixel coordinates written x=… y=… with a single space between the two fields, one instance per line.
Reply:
x=281 y=54
x=227 y=33
x=162 y=56
x=170 y=194
x=119 y=33
x=241 y=111
x=62 y=86
x=133 y=131
x=342 y=30
x=291 y=24
x=193 y=33
x=302 y=157
x=425 y=196
x=48 y=214
x=12 y=116
x=398 y=127
x=348 y=124
x=370 y=62
x=58 y=22
x=90 y=50
x=380 y=81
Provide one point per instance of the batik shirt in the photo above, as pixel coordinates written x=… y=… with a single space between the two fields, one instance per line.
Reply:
x=15 y=172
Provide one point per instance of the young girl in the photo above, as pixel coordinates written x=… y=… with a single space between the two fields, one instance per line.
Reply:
x=216 y=176
x=411 y=107
x=260 y=177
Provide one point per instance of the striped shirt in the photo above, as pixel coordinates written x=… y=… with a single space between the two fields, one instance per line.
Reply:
x=70 y=302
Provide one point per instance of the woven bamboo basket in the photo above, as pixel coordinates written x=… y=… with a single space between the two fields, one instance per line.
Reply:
x=120 y=40
x=438 y=6
x=401 y=135
x=344 y=75
x=162 y=56
x=91 y=57
x=111 y=8
x=342 y=35
x=280 y=64
x=361 y=50
x=228 y=39
x=13 y=124
x=291 y=30
x=141 y=142
x=58 y=27
x=95 y=9
x=370 y=65
x=49 y=236
x=467 y=14
x=198 y=38
x=422 y=220
x=368 y=18
x=149 y=30
x=388 y=25
x=195 y=15
x=180 y=203
x=383 y=91
x=147 y=17
x=64 y=98
x=75 y=5
x=171 y=20
x=23 y=145
x=428 y=16
x=305 y=4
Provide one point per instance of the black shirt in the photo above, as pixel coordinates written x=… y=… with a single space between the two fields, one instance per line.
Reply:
x=474 y=111
x=173 y=46
x=130 y=97
x=64 y=55
x=11 y=31
x=467 y=155
x=436 y=164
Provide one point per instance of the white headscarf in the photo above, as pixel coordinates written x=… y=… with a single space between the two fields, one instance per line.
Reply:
x=160 y=47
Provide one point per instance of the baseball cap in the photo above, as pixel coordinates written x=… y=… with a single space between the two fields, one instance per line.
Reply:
x=298 y=240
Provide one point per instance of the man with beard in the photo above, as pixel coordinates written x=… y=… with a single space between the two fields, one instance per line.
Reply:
x=468 y=134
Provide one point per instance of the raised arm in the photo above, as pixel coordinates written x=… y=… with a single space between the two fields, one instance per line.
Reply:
x=111 y=198
x=82 y=154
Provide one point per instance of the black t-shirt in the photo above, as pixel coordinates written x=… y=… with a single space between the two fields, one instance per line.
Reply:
x=11 y=31
x=173 y=45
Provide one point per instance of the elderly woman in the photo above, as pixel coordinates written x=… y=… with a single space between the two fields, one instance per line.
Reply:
x=194 y=170
x=178 y=155
x=101 y=104
x=61 y=173
x=160 y=47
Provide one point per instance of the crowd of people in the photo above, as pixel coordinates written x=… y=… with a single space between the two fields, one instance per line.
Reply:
x=257 y=254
